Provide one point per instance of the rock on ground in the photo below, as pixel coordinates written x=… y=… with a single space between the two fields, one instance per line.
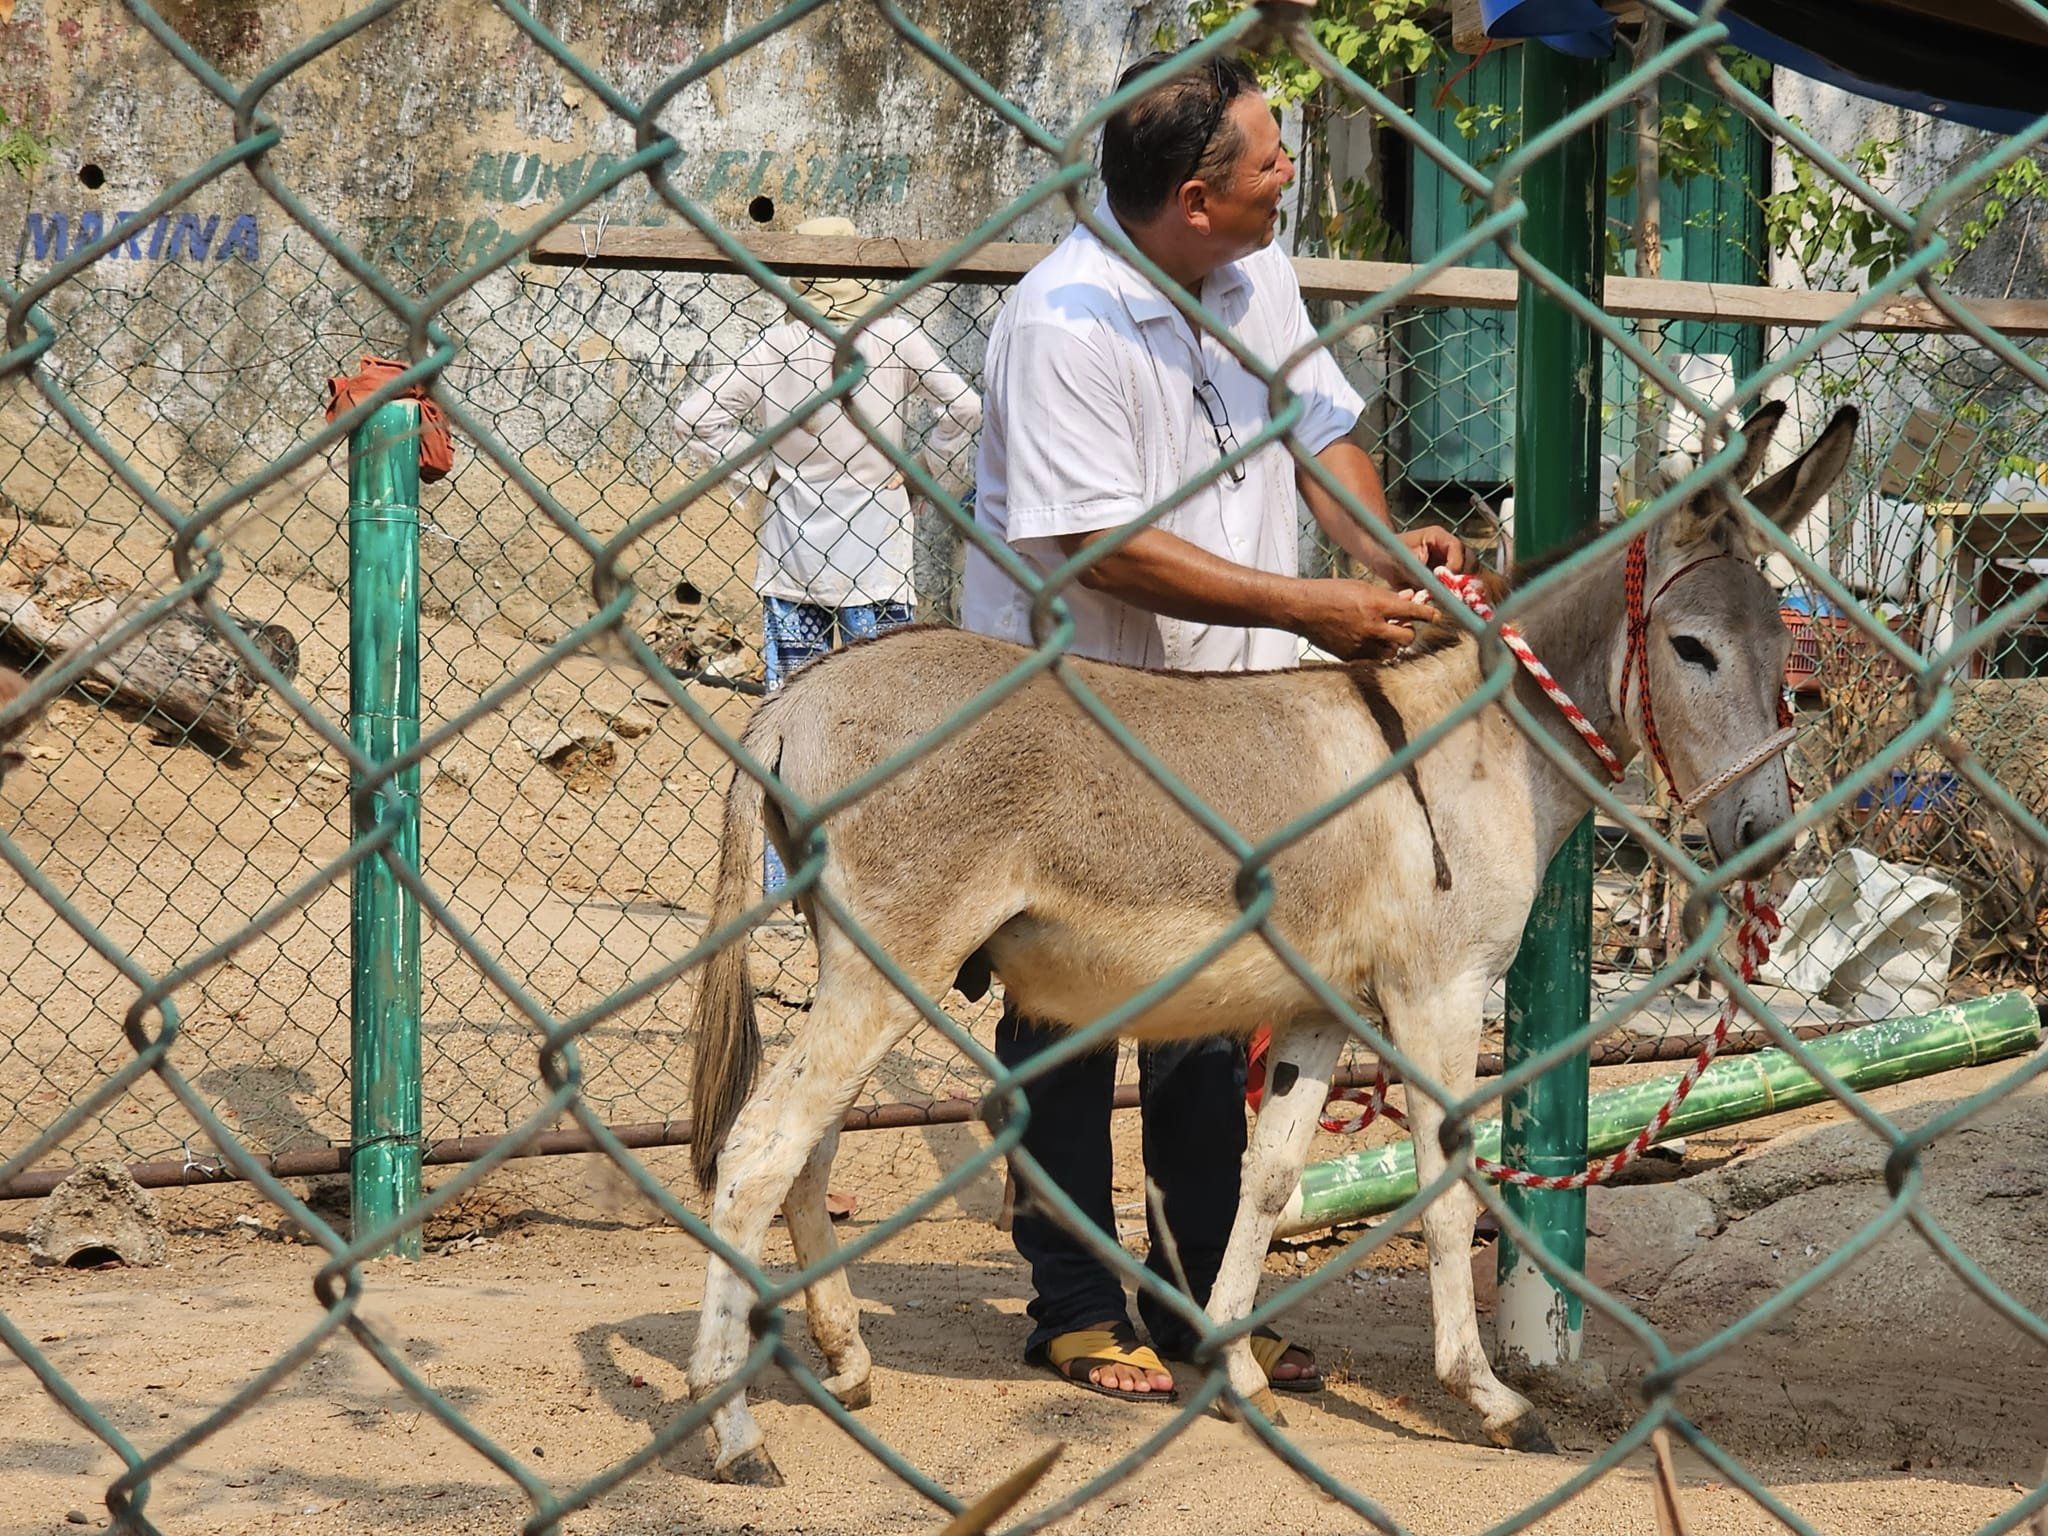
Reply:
x=98 y=1208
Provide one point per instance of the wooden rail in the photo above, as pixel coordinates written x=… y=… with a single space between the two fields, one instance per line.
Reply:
x=1004 y=262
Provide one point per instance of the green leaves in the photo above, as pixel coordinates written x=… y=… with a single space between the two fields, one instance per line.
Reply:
x=1382 y=41
x=21 y=150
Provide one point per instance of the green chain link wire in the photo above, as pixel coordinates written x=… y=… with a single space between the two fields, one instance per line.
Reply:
x=152 y=1021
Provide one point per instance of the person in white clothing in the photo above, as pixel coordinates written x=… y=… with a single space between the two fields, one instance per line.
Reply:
x=1101 y=402
x=835 y=541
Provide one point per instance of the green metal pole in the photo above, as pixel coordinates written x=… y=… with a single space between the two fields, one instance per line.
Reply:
x=384 y=722
x=1557 y=416
x=1967 y=1034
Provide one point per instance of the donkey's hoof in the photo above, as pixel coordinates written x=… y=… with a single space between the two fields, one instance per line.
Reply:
x=754 y=1469
x=1263 y=1400
x=851 y=1395
x=1525 y=1432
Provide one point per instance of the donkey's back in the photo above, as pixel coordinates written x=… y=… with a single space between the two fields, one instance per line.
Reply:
x=1028 y=831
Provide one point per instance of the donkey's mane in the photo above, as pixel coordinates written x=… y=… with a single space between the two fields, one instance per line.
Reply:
x=1434 y=638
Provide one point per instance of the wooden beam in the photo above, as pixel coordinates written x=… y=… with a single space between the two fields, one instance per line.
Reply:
x=684 y=250
x=1351 y=282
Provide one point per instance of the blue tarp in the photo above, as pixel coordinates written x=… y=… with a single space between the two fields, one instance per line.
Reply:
x=1581 y=28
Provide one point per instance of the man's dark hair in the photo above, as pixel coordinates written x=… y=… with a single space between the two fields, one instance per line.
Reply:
x=1177 y=132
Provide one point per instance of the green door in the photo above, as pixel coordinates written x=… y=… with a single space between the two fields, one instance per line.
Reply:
x=1458 y=365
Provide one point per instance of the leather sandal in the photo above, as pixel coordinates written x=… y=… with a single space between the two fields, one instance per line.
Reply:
x=1269 y=1348
x=1073 y=1355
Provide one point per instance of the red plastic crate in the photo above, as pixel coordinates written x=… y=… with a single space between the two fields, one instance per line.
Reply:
x=1814 y=639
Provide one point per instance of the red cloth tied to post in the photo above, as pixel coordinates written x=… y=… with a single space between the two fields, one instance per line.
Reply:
x=437 y=446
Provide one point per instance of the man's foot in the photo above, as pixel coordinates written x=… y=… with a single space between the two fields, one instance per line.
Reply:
x=1288 y=1367
x=1108 y=1358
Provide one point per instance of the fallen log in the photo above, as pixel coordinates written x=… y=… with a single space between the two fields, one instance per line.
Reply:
x=179 y=668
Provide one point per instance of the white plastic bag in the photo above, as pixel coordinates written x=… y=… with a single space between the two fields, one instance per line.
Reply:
x=1869 y=937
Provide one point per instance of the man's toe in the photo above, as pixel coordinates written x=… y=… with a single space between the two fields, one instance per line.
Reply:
x=1296 y=1365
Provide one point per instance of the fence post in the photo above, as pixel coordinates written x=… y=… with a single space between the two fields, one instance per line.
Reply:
x=1557 y=415
x=384 y=722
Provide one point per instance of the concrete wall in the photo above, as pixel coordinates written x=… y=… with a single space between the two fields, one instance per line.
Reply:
x=1875 y=542
x=199 y=348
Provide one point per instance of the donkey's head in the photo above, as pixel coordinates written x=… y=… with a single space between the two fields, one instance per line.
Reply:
x=1714 y=645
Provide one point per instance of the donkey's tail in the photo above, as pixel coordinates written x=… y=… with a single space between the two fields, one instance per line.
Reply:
x=728 y=1034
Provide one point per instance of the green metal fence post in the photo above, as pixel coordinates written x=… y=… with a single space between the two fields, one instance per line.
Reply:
x=1557 y=415
x=384 y=721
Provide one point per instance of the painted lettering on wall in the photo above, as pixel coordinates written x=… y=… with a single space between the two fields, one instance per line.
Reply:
x=810 y=181
x=52 y=236
x=426 y=244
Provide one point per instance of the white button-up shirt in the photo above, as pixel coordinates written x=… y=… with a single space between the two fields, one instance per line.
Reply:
x=836 y=531
x=1092 y=416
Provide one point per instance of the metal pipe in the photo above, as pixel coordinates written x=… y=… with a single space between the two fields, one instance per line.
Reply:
x=1557 y=424
x=315 y=1162
x=384 y=722
x=1965 y=1034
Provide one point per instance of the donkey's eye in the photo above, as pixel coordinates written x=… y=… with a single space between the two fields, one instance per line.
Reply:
x=1693 y=653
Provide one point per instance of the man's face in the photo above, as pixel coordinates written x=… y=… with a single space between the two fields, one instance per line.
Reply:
x=1243 y=205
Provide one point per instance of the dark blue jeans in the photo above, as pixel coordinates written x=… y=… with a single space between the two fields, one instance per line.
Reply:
x=795 y=633
x=1191 y=1095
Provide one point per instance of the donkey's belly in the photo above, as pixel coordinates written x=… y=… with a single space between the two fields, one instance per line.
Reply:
x=1073 y=974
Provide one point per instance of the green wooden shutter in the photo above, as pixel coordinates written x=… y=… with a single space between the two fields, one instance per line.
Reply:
x=1458 y=365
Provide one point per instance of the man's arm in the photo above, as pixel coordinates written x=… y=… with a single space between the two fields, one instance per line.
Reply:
x=1166 y=574
x=1332 y=408
x=712 y=419
x=958 y=406
x=1352 y=467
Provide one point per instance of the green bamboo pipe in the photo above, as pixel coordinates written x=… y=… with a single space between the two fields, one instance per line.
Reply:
x=1737 y=1088
x=383 y=723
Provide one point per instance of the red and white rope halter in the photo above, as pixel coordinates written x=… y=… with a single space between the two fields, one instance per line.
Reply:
x=1756 y=930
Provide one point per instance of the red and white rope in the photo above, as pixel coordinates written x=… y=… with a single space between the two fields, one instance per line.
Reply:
x=1474 y=594
x=1755 y=931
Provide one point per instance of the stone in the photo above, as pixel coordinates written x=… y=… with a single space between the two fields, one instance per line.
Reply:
x=1637 y=1234
x=95 y=1212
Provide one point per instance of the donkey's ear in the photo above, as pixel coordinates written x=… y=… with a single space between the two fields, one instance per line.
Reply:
x=1789 y=495
x=1710 y=517
x=1757 y=433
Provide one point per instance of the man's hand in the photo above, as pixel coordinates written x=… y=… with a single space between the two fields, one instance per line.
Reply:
x=1435 y=546
x=1355 y=620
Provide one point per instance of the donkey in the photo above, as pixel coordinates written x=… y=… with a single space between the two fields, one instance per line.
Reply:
x=1029 y=839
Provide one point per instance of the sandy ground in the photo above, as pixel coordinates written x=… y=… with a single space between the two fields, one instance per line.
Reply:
x=1890 y=1401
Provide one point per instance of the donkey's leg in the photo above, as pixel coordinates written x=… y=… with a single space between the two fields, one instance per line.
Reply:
x=1441 y=1034
x=828 y=1303
x=854 y=1021
x=1297 y=1086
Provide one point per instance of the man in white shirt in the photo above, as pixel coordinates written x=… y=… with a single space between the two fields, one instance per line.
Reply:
x=1102 y=401
x=835 y=538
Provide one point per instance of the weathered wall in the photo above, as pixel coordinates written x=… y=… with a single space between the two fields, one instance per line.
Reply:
x=199 y=347
x=1875 y=541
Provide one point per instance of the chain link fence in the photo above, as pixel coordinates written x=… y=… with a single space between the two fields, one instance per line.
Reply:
x=178 y=895
x=626 y=812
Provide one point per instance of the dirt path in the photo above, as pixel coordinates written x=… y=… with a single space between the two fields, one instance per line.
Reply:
x=1892 y=1401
